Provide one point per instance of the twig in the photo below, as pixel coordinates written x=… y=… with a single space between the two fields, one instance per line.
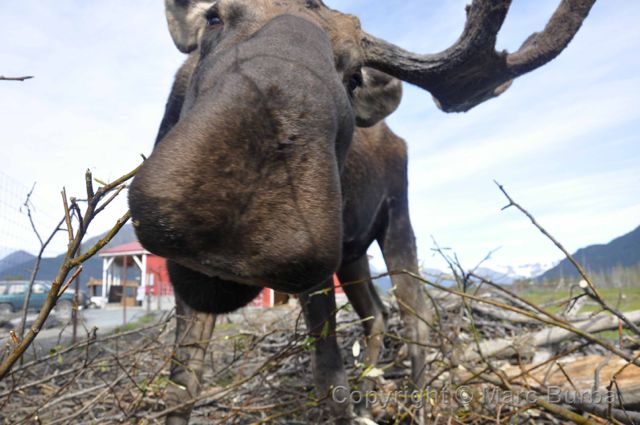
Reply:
x=26 y=77
x=37 y=261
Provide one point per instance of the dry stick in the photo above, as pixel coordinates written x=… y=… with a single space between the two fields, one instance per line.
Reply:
x=36 y=266
x=67 y=218
x=26 y=77
x=566 y=376
x=594 y=294
x=565 y=413
x=88 y=182
x=70 y=262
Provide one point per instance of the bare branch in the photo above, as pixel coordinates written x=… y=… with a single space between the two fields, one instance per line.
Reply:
x=27 y=77
x=67 y=217
x=88 y=178
x=71 y=261
x=34 y=274
x=38 y=260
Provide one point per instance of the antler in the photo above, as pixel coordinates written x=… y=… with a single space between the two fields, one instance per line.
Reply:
x=472 y=71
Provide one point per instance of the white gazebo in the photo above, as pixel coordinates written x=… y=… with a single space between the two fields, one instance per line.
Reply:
x=123 y=255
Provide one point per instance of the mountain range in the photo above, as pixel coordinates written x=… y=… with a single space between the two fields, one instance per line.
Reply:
x=15 y=258
x=601 y=258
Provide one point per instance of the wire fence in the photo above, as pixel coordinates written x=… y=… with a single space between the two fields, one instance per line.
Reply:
x=15 y=230
x=18 y=241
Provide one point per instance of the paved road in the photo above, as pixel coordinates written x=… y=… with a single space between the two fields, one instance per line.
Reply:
x=106 y=320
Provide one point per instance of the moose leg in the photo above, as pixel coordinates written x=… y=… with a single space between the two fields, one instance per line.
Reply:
x=362 y=295
x=319 y=307
x=399 y=250
x=193 y=332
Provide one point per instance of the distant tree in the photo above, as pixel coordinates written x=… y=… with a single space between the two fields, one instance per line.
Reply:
x=13 y=278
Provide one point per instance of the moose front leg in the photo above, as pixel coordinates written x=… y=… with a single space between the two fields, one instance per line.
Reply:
x=356 y=280
x=319 y=307
x=193 y=332
x=399 y=250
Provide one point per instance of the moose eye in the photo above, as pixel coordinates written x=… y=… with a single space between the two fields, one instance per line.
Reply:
x=355 y=81
x=213 y=18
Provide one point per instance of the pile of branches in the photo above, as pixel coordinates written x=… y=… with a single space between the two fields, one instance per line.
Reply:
x=500 y=358
x=258 y=371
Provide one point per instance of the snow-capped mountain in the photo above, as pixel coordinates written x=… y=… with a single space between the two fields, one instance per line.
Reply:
x=523 y=271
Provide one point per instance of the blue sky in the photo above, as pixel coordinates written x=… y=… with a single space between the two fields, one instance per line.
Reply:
x=563 y=140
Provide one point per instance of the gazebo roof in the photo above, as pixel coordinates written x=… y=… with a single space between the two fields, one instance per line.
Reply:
x=132 y=248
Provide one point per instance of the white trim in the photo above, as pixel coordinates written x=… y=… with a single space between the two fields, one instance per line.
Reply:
x=125 y=253
x=138 y=261
x=143 y=276
x=104 y=278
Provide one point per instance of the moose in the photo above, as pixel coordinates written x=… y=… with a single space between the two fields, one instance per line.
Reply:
x=273 y=166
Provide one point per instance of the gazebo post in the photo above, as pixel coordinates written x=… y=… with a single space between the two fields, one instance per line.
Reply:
x=107 y=262
x=104 y=279
x=145 y=284
x=110 y=278
x=141 y=262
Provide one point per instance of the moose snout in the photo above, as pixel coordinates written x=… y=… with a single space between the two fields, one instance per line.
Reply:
x=226 y=221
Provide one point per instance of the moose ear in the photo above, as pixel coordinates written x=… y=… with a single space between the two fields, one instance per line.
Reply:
x=377 y=97
x=186 y=19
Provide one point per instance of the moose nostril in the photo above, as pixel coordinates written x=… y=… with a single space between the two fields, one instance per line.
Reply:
x=158 y=235
x=285 y=145
x=214 y=19
x=153 y=226
x=314 y=4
